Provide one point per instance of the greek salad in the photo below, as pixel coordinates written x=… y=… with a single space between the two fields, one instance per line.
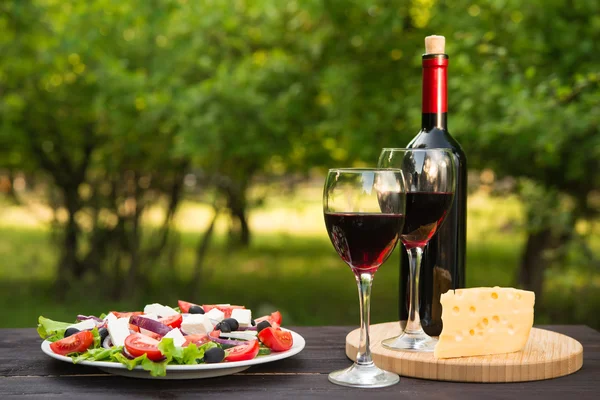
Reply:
x=160 y=335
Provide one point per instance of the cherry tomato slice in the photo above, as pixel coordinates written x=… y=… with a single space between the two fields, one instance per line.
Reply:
x=198 y=339
x=184 y=306
x=123 y=314
x=173 y=321
x=138 y=345
x=77 y=343
x=276 y=339
x=227 y=310
x=243 y=352
x=274 y=319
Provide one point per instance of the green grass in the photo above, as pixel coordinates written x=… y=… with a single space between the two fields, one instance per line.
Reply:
x=290 y=266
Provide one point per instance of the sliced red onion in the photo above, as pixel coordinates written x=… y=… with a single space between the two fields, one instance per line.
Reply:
x=126 y=354
x=150 y=324
x=107 y=343
x=238 y=335
x=227 y=342
x=247 y=328
x=86 y=317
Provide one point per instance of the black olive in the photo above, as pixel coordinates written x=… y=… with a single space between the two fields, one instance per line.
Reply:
x=262 y=325
x=223 y=327
x=196 y=310
x=233 y=323
x=103 y=332
x=214 y=355
x=253 y=322
x=71 y=331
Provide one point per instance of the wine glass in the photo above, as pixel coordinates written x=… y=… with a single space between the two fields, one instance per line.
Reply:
x=430 y=184
x=364 y=215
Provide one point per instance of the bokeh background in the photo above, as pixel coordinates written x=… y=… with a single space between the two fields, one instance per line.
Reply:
x=152 y=150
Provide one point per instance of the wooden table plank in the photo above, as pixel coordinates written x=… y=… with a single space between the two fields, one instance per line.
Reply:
x=25 y=372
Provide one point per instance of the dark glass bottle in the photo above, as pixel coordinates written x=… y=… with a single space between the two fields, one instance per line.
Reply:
x=443 y=263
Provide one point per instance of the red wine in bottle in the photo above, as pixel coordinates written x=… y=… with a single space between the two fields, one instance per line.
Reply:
x=443 y=263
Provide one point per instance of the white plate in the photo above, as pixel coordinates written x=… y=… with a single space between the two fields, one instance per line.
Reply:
x=186 y=371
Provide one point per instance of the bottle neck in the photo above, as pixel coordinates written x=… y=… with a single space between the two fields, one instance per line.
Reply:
x=435 y=93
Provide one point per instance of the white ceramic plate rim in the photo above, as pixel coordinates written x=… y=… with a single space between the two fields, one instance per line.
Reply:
x=297 y=347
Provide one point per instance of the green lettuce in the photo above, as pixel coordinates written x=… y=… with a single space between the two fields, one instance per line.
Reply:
x=97 y=339
x=52 y=330
x=189 y=355
x=98 y=354
x=155 y=368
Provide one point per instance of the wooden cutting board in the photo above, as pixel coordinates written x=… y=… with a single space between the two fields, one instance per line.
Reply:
x=546 y=355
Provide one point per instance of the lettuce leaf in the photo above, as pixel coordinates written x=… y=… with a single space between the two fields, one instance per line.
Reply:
x=189 y=355
x=99 y=354
x=52 y=330
x=155 y=368
x=97 y=340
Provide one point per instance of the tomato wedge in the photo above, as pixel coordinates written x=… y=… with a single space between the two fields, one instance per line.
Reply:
x=137 y=345
x=123 y=314
x=184 y=306
x=276 y=339
x=173 y=321
x=227 y=310
x=243 y=352
x=76 y=343
x=198 y=339
x=274 y=319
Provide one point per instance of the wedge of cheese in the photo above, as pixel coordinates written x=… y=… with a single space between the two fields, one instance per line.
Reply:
x=482 y=321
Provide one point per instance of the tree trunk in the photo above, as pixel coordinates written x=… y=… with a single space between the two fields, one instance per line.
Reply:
x=534 y=261
x=68 y=264
x=201 y=250
x=244 y=233
x=236 y=201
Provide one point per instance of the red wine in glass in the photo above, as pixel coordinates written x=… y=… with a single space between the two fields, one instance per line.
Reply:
x=430 y=182
x=363 y=210
x=425 y=211
x=363 y=241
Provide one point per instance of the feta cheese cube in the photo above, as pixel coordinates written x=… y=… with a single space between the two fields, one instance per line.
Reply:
x=84 y=325
x=196 y=324
x=243 y=316
x=118 y=331
x=159 y=310
x=175 y=334
x=168 y=312
x=153 y=308
x=151 y=316
x=215 y=314
x=110 y=317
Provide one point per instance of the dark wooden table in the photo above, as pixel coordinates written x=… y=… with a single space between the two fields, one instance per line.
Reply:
x=26 y=372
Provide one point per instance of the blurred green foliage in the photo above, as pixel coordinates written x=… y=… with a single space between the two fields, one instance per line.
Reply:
x=111 y=103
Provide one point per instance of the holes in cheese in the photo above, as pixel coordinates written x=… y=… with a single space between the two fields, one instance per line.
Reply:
x=499 y=323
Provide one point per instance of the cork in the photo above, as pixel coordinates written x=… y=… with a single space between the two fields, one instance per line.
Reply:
x=435 y=44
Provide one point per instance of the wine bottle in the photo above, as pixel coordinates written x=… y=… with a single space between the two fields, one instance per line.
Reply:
x=443 y=263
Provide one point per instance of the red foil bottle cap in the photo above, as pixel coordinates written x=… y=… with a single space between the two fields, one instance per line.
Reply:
x=435 y=75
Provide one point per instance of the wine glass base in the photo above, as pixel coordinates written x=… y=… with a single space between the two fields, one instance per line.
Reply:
x=364 y=376
x=420 y=342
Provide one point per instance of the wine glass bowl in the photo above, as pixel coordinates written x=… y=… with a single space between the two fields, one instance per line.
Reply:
x=364 y=215
x=430 y=184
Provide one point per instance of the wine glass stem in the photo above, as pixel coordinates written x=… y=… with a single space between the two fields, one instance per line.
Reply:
x=413 y=325
x=365 y=281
